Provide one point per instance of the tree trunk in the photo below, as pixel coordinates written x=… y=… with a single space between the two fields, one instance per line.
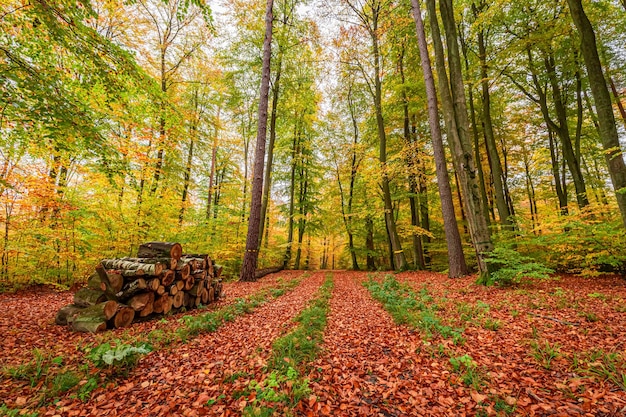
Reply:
x=456 y=258
x=604 y=105
x=292 y=193
x=453 y=100
x=418 y=250
x=494 y=157
x=369 y=243
x=267 y=183
x=213 y=166
x=394 y=239
x=251 y=256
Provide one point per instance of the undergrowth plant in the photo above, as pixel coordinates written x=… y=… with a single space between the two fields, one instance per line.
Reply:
x=414 y=309
x=285 y=387
x=117 y=356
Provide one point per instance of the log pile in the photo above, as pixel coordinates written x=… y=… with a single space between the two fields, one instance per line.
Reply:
x=160 y=280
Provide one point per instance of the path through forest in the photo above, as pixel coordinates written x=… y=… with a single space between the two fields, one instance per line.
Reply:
x=544 y=348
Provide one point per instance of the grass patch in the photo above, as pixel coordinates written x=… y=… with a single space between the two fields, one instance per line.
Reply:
x=468 y=371
x=285 y=387
x=606 y=366
x=414 y=309
x=545 y=353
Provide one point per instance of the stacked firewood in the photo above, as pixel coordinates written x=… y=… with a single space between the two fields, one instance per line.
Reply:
x=160 y=280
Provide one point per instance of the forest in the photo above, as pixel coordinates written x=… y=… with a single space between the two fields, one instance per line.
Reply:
x=466 y=156
x=124 y=122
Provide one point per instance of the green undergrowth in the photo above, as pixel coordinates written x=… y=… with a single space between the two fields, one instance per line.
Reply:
x=116 y=357
x=284 y=387
x=605 y=366
x=411 y=308
x=419 y=310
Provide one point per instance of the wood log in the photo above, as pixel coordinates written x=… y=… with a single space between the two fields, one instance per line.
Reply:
x=199 y=274
x=160 y=250
x=173 y=290
x=167 y=307
x=129 y=269
x=116 y=281
x=196 y=289
x=66 y=314
x=104 y=277
x=160 y=290
x=189 y=282
x=160 y=303
x=183 y=270
x=131 y=289
x=168 y=263
x=211 y=292
x=178 y=299
x=147 y=310
x=210 y=267
x=94 y=318
x=153 y=284
x=124 y=317
x=167 y=277
x=180 y=284
x=86 y=297
x=218 y=271
x=263 y=272
x=139 y=301
x=204 y=295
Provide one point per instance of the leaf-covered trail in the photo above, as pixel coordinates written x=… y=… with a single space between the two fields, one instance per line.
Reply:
x=370 y=366
x=179 y=382
x=574 y=317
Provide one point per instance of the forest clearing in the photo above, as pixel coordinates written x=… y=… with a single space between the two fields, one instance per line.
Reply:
x=387 y=207
x=544 y=348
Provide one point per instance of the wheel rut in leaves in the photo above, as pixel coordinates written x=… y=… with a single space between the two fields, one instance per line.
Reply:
x=180 y=381
x=370 y=365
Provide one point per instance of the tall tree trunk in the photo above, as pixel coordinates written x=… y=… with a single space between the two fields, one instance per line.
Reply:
x=560 y=192
x=562 y=130
x=604 y=105
x=394 y=239
x=267 y=183
x=186 y=179
x=494 y=157
x=475 y=134
x=418 y=250
x=369 y=243
x=454 y=104
x=456 y=258
x=213 y=165
x=251 y=256
x=618 y=100
x=161 y=143
x=292 y=189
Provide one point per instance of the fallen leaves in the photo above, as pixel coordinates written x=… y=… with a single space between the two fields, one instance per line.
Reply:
x=367 y=365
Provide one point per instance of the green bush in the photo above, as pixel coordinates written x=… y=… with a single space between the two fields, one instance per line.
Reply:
x=120 y=357
x=511 y=267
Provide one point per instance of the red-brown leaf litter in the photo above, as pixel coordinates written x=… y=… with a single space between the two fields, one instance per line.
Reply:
x=367 y=364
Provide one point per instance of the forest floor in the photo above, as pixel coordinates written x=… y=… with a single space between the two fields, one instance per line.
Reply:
x=335 y=343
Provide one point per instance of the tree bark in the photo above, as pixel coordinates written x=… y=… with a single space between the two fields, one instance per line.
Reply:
x=456 y=259
x=494 y=157
x=251 y=256
x=392 y=233
x=455 y=117
x=604 y=105
x=267 y=183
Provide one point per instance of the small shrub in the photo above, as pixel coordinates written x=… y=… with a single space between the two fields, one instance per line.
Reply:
x=121 y=357
x=64 y=382
x=511 y=267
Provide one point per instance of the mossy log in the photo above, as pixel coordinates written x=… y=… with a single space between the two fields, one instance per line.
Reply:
x=94 y=318
x=65 y=315
x=116 y=282
x=86 y=297
x=160 y=250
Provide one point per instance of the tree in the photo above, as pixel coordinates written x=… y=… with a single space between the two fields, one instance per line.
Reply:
x=456 y=259
x=603 y=104
x=252 y=242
